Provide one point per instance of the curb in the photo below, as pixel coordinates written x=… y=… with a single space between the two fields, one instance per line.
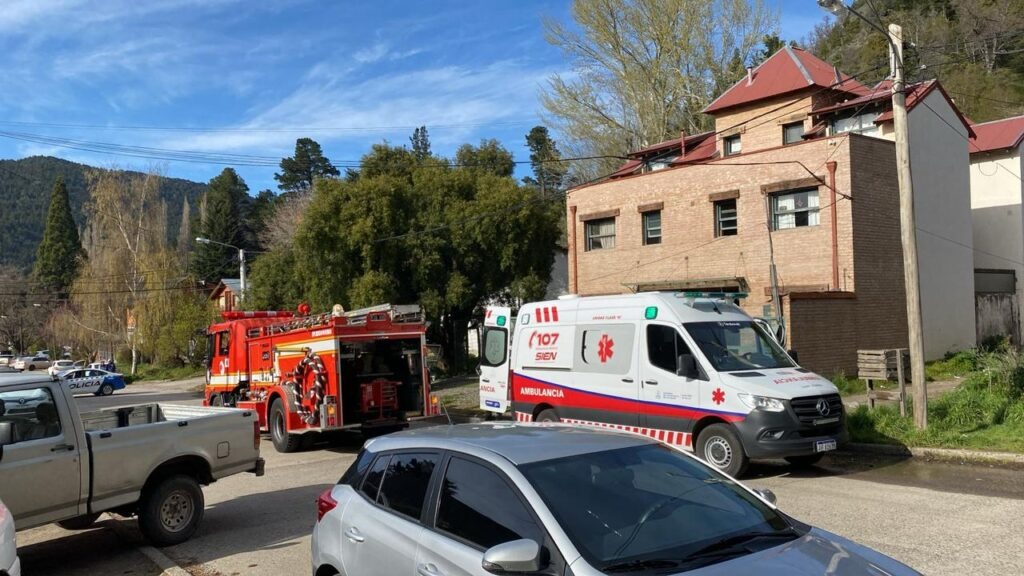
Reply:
x=1002 y=459
x=167 y=566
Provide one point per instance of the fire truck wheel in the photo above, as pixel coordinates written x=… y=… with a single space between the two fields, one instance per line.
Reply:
x=170 y=510
x=216 y=400
x=719 y=446
x=283 y=441
x=548 y=415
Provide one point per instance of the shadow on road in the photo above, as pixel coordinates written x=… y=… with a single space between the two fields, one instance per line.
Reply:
x=76 y=555
x=265 y=521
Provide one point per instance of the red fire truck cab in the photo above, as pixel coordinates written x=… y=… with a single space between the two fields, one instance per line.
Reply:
x=305 y=374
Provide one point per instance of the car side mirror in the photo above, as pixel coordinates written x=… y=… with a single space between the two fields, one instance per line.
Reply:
x=794 y=355
x=767 y=495
x=6 y=433
x=516 y=556
x=686 y=365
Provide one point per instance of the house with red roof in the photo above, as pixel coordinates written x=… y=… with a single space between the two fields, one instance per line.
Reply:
x=996 y=195
x=799 y=170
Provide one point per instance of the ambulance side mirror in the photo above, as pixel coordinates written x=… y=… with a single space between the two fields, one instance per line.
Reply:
x=686 y=365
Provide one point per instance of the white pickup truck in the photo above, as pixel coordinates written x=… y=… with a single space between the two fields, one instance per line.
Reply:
x=149 y=460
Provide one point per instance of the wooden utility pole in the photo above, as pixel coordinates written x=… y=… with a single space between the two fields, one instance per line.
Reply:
x=908 y=229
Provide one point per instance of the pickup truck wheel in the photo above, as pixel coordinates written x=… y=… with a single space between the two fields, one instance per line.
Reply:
x=719 y=446
x=283 y=441
x=170 y=511
x=548 y=415
x=79 y=523
x=106 y=390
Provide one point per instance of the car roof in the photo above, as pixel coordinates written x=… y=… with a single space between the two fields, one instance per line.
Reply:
x=14 y=380
x=517 y=442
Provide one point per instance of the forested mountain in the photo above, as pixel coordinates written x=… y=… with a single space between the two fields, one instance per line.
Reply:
x=974 y=47
x=25 y=188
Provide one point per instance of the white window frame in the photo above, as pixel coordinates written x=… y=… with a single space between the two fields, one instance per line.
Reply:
x=650 y=238
x=786 y=218
x=863 y=123
x=732 y=145
x=720 y=229
x=785 y=129
x=591 y=235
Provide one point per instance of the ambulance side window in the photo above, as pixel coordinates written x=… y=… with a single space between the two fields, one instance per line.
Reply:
x=495 y=346
x=605 y=349
x=223 y=343
x=664 y=345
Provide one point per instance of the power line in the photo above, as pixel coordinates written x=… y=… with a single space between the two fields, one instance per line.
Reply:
x=254 y=129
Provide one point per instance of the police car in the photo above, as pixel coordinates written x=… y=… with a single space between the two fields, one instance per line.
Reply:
x=92 y=381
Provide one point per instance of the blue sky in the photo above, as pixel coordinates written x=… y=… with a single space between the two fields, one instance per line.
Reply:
x=247 y=78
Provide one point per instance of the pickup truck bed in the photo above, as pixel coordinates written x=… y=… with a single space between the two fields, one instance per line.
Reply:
x=61 y=466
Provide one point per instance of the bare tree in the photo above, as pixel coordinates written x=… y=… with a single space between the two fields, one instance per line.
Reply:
x=644 y=69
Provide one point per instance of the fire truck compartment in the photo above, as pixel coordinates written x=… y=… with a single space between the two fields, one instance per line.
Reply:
x=380 y=380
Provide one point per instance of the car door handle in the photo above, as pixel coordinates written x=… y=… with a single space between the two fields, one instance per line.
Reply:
x=627 y=380
x=484 y=380
x=650 y=382
x=62 y=448
x=427 y=570
x=354 y=535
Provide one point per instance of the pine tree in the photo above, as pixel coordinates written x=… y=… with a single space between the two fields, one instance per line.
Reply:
x=548 y=174
x=60 y=252
x=221 y=223
x=420 y=143
x=307 y=165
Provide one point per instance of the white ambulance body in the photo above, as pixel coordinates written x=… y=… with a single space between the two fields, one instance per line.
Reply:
x=686 y=369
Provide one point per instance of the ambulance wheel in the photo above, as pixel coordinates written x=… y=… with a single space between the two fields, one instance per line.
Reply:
x=719 y=446
x=805 y=461
x=216 y=400
x=547 y=415
x=283 y=441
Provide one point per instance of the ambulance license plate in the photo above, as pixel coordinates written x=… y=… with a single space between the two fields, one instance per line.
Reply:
x=824 y=445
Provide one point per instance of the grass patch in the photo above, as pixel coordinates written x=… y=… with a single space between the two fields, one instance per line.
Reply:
x=954 y=365
x=985 y=412
x=150 y=372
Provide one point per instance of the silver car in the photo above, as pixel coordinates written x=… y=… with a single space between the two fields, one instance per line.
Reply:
x=481 y=499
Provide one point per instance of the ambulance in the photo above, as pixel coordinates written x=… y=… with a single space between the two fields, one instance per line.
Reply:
x=689 y=369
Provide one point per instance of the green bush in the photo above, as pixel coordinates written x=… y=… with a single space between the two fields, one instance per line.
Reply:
x=848 y=386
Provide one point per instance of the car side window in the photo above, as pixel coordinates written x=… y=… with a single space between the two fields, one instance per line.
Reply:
x=664 y=345
x=372 y=481
x=27 y=415
x=406 y=482
x=478 y=506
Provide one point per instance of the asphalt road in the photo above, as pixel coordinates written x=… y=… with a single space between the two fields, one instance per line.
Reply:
x=939 y=518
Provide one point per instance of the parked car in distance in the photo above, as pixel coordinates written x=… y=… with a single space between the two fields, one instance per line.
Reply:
x=31 y=363
x=6 y=358
x=92 y=381
x=60 y=366
x=9 y=563
x=556 y=499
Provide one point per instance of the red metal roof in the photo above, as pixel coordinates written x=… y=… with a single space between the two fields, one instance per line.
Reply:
x=998 y=134
x=882 y=94
x=788 y=70
x=698 y=147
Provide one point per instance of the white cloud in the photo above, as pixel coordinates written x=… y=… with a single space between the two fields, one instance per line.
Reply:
x=454 y=102
x=371 y=54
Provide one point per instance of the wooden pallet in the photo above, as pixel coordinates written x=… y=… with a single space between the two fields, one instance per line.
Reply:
x=886 y=365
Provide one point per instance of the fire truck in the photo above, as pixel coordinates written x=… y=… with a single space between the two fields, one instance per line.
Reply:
x=305 y=374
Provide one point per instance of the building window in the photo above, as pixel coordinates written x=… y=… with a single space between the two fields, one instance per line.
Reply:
x=600 y=234
x=795 y=209
x=861 y=124
x=652 y=227
x=732 y=145
x=725 y=217
x=792 y=132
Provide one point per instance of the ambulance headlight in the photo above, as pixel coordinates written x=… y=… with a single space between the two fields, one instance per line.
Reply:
x=762 y=402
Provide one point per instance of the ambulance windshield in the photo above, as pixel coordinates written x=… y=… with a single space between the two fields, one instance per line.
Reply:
x=733 y=346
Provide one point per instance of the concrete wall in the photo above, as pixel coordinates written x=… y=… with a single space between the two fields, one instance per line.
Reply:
x=940 y=165
x=998 y=221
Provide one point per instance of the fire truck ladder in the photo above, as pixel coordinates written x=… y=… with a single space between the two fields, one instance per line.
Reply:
x=398 y=314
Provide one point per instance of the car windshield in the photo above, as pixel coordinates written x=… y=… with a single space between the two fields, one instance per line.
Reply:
x=733 y=346
x=647 y=509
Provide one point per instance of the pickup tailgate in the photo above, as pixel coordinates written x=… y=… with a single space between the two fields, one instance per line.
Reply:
x=128 y=444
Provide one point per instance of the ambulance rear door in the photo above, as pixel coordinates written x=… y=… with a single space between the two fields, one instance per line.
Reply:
x=495 y=348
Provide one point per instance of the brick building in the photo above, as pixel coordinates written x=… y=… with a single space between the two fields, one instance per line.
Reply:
x=790 y=169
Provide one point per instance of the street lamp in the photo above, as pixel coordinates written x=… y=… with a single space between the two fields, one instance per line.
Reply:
x=908 y=229
x=241 y=260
